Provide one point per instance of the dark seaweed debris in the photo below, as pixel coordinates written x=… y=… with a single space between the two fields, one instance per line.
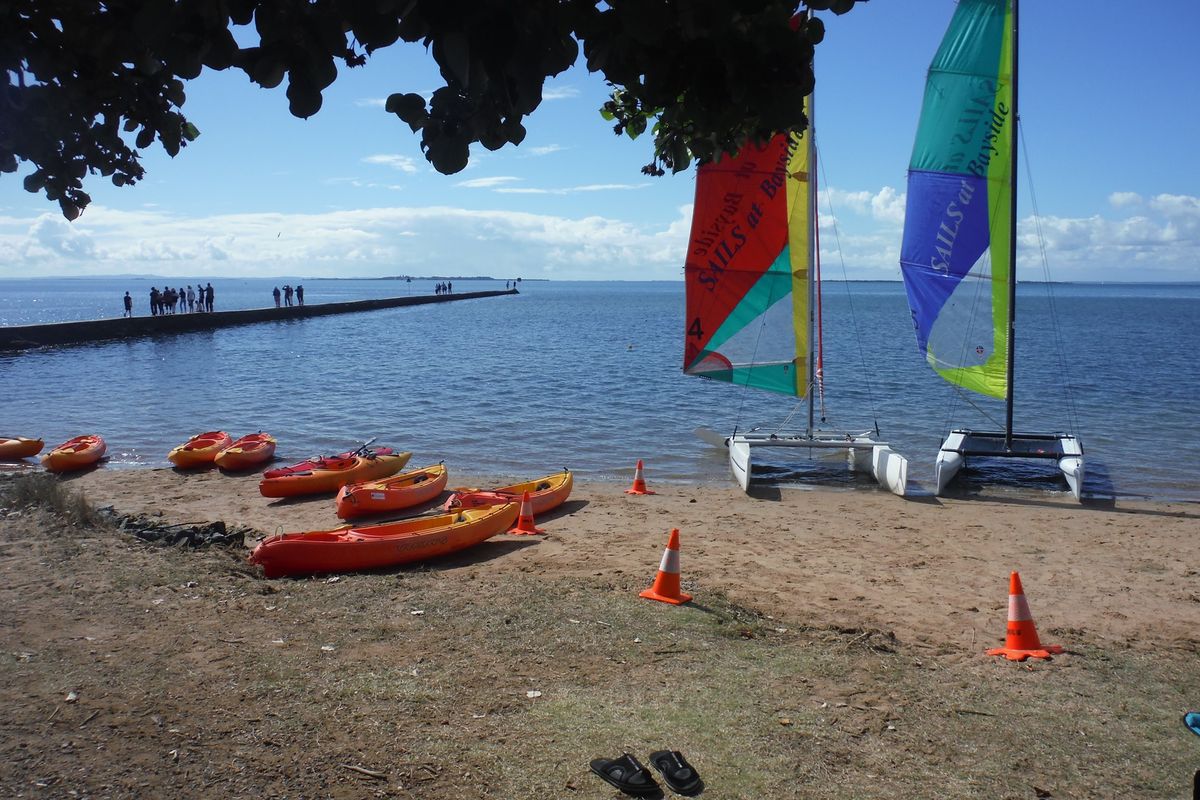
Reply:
x=182 y=534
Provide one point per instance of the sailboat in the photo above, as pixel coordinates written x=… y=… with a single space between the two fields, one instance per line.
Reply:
x=752 y=298
x=958 y=256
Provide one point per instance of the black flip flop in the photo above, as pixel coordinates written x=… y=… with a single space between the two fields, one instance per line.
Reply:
x=677 y=772
x=627 y=774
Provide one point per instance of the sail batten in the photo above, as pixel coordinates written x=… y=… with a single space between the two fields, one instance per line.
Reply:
x=955 y=254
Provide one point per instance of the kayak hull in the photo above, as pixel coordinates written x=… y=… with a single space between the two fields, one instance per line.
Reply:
x=398 y=492
x=74 y=454
x=545 y=494
x=200 y=450
x=16 y=447
x=248 y=451
x=332 y=474
x=351 y=549
x=317 y=461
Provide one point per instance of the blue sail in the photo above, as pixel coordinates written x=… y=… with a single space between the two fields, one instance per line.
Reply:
x=955 y=253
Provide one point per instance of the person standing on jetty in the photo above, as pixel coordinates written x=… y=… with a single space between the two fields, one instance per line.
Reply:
x=208 y=297
x=275 y=294
x=128 y=305
x=191 y=298
x=287 y=295
x=154 y=301
x=299 y=294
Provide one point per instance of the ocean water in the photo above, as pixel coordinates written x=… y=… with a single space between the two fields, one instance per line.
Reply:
x=587 y=375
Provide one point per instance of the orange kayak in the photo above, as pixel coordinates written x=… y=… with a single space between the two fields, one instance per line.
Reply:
x=371 y=546
x=330 y=474
x=248 y=451
x=405 y=490
x=77 y=453
x=14 y=447
x=200 y=450
x=545 y=494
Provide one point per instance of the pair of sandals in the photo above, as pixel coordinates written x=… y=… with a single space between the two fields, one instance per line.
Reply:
x=627 y=774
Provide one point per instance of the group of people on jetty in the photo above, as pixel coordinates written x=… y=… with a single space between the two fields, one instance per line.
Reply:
x=445 y=287
x=288 y=292
x=170 y=300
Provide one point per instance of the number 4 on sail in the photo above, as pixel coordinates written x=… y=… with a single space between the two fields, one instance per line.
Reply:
x=959 y=251
x=751 y=276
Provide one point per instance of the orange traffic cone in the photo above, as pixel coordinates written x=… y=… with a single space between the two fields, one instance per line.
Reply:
x=639 y=483
x=525 y=518
x=1022 y=641
x=666 y=582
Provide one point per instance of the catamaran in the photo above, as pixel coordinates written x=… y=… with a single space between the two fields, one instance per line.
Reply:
x=752 y=298
x=958 y=255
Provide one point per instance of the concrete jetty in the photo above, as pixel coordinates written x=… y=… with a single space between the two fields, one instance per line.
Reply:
x=23 y=337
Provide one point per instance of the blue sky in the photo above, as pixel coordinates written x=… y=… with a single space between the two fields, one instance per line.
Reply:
x=1110 y=105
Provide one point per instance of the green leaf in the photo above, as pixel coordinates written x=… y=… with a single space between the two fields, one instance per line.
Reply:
x=190 y=132
x=453 y=54
x=303 y=99
x=814 y=31
x=636 y=127
x=408 y=107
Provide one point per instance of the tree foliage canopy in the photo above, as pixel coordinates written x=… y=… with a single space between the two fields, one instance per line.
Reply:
x=93 y=82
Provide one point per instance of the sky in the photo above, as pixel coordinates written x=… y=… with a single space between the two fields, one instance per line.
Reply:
x=1109 y=103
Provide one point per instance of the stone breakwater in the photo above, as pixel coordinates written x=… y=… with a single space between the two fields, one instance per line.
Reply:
x=23 y=337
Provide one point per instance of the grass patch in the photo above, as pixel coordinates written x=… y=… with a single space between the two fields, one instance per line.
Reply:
x=45 y=491
x=196 y=678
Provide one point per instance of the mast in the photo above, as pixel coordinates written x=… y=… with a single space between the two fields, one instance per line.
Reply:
x=1012 y=242
x=810 y=143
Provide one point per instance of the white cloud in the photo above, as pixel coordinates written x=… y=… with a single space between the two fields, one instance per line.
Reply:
x=50 y=236
x=594 y=187
x=358 y=242
x=1176 y=205
x=888 y=206
x=840 y=199
x=1122 y=199
x=487 y=183
x=1160 y=242
x=371 y=102
x=544 y=150
x=560 y=93
x=402 y=163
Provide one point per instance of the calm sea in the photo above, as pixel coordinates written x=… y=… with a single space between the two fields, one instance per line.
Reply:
x=587 y=375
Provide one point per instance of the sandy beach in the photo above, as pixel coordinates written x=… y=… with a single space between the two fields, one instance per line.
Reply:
x=834 y=649
x=929 y=570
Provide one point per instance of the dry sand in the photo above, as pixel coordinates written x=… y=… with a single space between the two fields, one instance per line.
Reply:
x=931 y=570
x=136 y=670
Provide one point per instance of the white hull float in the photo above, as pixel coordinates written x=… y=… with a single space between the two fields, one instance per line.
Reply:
x=863 y=454
x=961 y=444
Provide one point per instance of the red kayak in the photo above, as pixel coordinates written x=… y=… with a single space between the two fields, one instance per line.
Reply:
x=319 y=461
x=372 y=546
x=331 y=474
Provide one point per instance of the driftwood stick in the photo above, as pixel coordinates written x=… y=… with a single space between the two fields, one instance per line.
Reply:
x=370 y=773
